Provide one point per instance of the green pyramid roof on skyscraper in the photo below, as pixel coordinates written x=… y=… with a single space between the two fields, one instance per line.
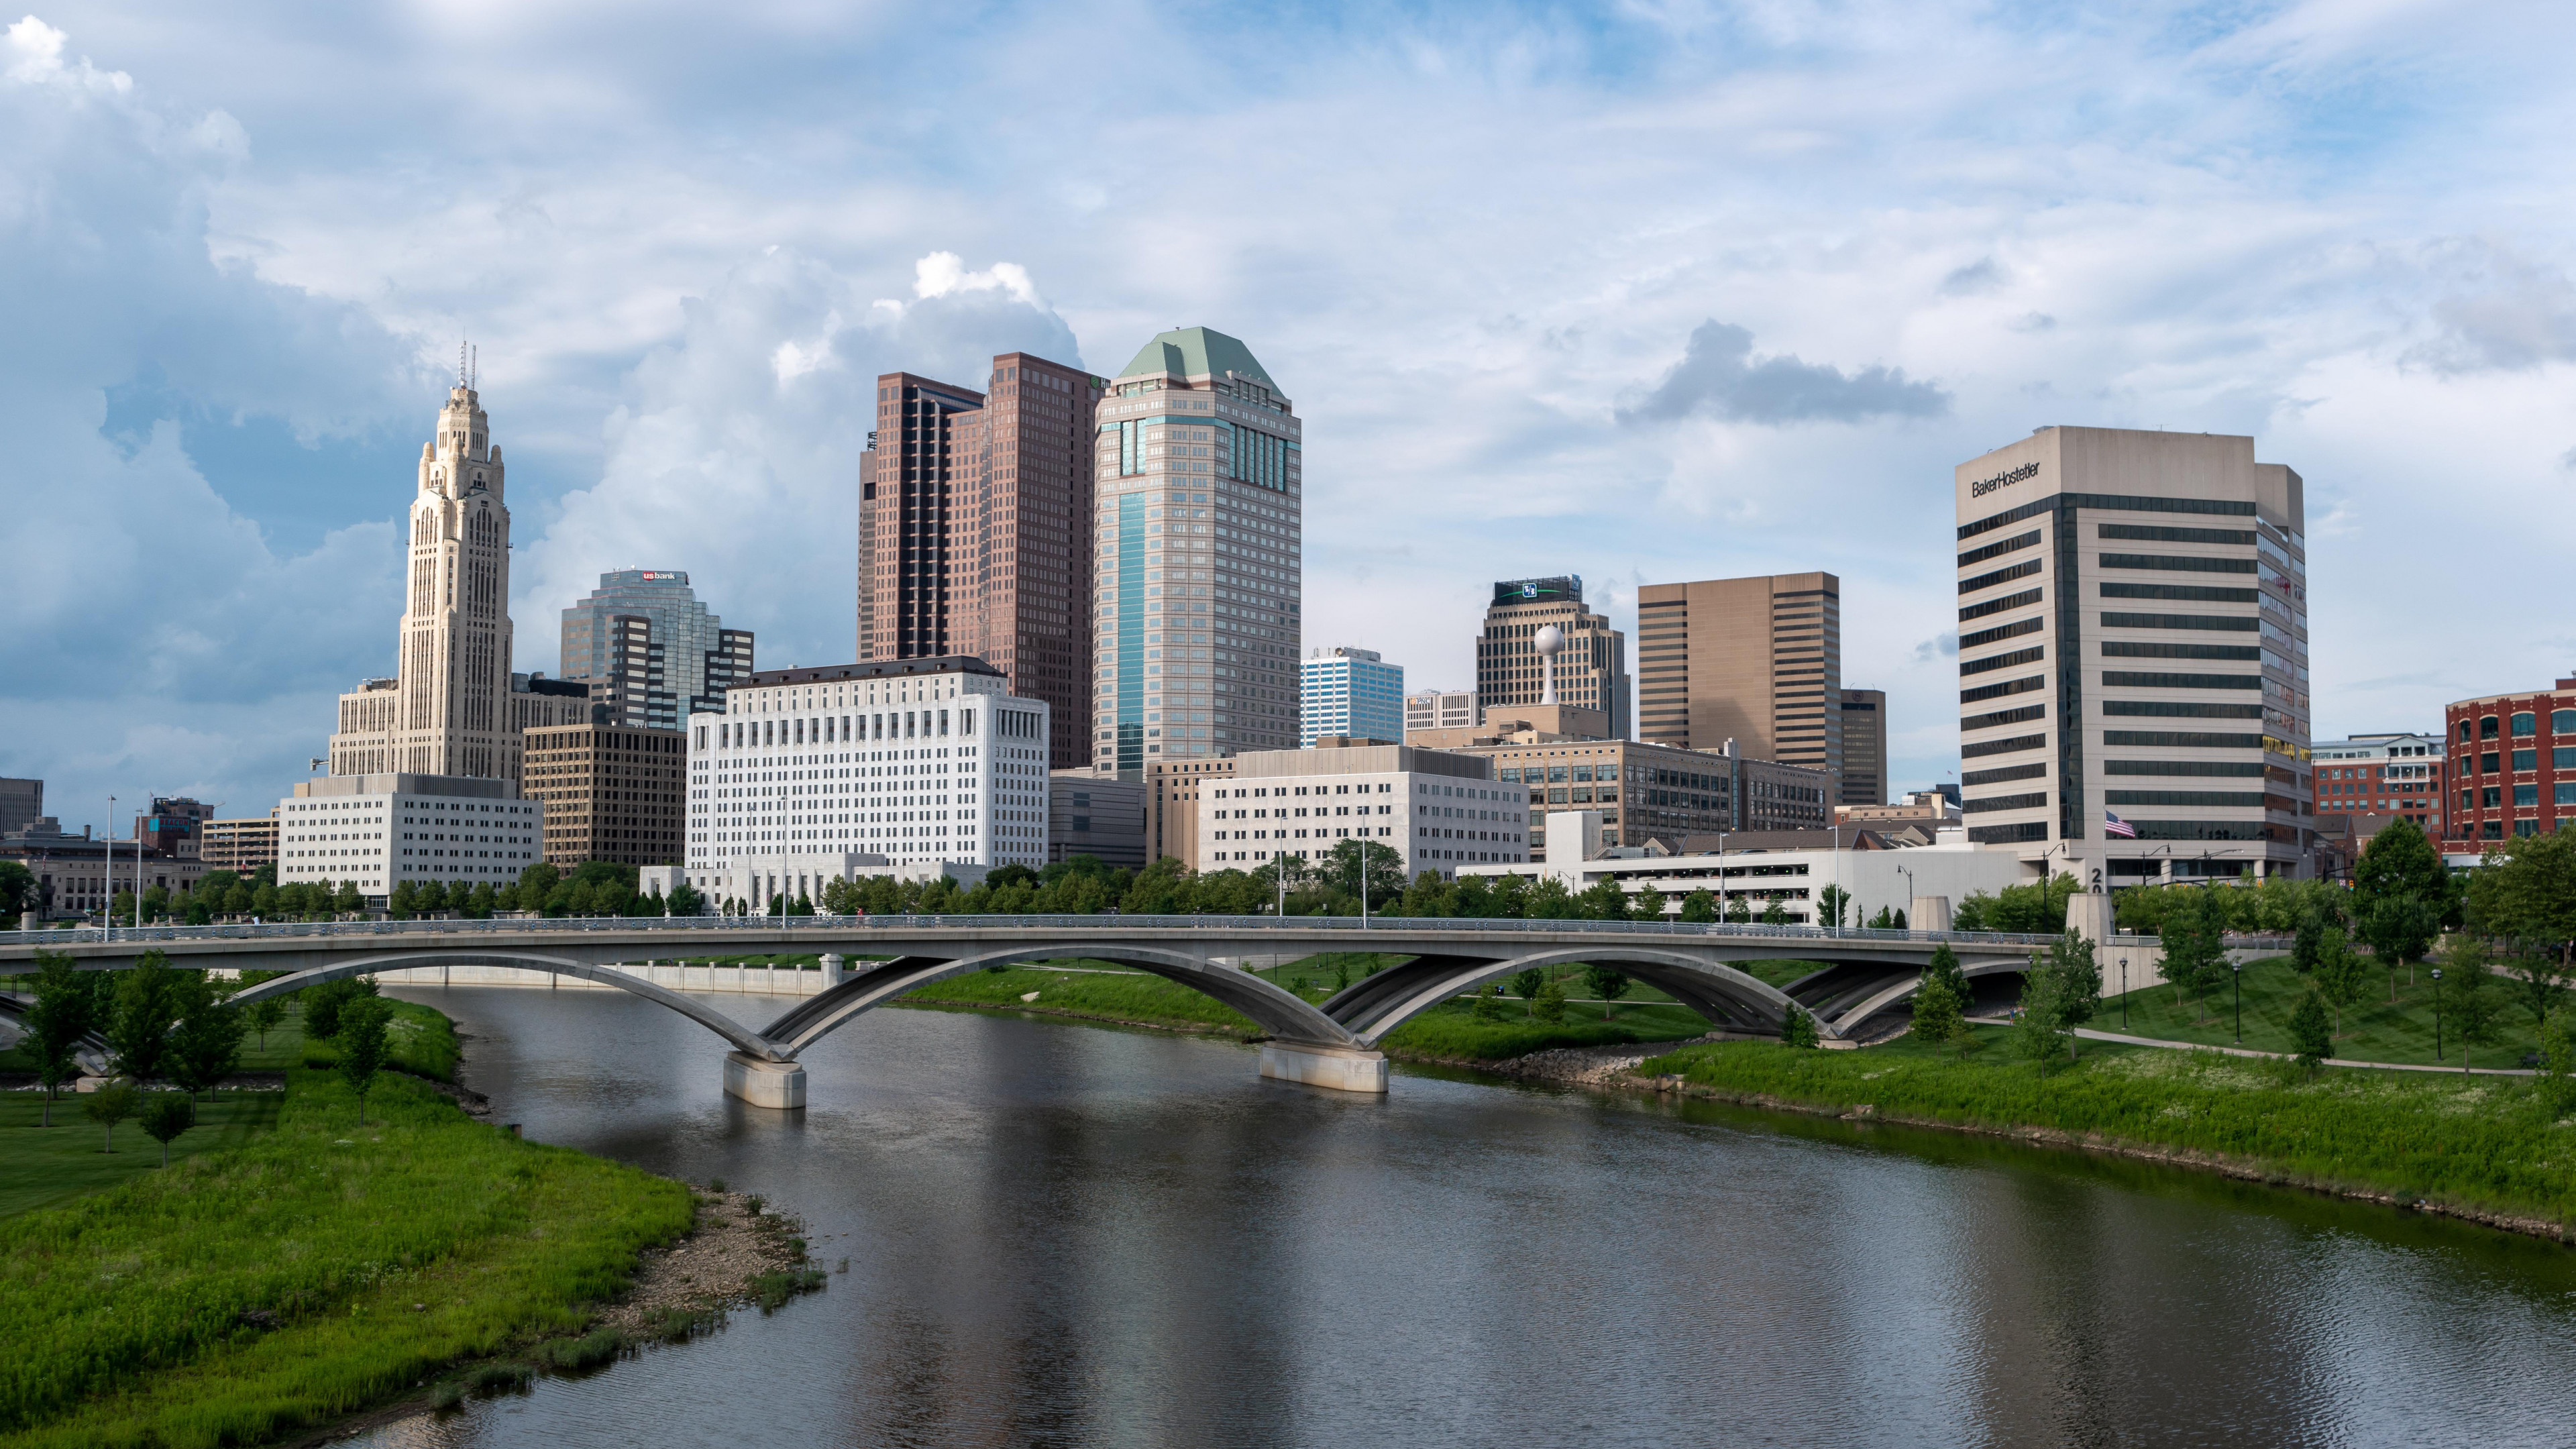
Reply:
x=1197 y=352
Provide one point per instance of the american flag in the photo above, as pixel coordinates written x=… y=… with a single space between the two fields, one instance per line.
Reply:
x=2113 y=825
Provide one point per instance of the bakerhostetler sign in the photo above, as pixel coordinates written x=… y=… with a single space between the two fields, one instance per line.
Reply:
x=1984 y=486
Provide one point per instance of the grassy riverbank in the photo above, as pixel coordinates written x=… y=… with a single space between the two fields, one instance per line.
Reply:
x=2486 y=1147
x=421 y=1038
x=308 y=1271
x=1448 y=1032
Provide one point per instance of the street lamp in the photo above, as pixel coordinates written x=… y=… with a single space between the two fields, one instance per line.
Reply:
x=2124 y=993
x=2437 y=1015
x=107 y=908
x=2236 y=969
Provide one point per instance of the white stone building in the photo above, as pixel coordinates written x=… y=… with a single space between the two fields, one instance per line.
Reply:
x=453 y=708
x=1438 y=811
x=377 y=831
x=904 y=767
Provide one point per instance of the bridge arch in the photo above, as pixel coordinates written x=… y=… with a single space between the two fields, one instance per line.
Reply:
x=1724 y=995
x=743 y=1038
x=1274 y=1009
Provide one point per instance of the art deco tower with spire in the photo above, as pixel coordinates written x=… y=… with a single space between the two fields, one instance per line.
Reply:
x=452 y=708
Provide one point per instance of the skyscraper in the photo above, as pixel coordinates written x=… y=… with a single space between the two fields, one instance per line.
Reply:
x=652 y=652
x=2134 y=644
x=453 y=707
x=1864 y=747
x=1199 y=524
x=971 y=517
x=1347 y=691
x=1591 y=661
x=1755 y=660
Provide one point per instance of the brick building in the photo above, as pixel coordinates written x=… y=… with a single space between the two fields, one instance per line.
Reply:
x=2512 y=766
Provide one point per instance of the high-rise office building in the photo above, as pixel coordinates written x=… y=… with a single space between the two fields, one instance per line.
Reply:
x=1198 y=576
x=1864 y=747
x=22 y=803
x=1349 y=692
x=2133 y=655
x=453 y=708
x=1591 y=662
x=1755 y=660
x=651 y=653
x=974 y=511
x=611 y=791
x=1440 y=709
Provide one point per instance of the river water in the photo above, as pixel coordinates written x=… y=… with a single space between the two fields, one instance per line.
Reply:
x=1064 y=1235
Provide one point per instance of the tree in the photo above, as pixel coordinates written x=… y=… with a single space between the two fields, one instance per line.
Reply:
x=404 y=902
x=2558 y=1061
x=65 y=1013
x=1699 y=907
x=264 y=1015
x=207 y=1045
x=2471 y=1008
x=1830 y=904
x=2526 y=893
x=1938 y=1012
x=1488 y=1005
x=1739 y=911
x=1526 y=985
x=2310 y=1032
x=147 y=1006
x=326 y=1006
x=2342 y=974
x=165 y=1116
x=1774 y=913
x=1355 y=865
x=18 y=893
x=2079 y=984
x=1648 y=905
x=2399 y=929
x=2195 y=944
x=2400 y=864
x=480 y=903
x=1549 y=1004
x=1604 y=900
x=1799 y=1029
x=111 y=1104
x=1945 y=964
x=2040 y=1023
x=1607 y=984
x=363 y=1047
x=685 y=900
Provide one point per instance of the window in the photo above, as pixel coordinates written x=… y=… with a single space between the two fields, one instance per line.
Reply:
x=2490 y=797
x=2464 y=730
x=2563 y=758
x=2526 y=795
x=2489 y=762
x=2562 y=721
x=2566 y=792
x=2525 y=723
x=2487 y=728
x=2525 y=760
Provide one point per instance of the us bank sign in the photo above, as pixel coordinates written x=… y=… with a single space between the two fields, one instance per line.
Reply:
x=1984 y=486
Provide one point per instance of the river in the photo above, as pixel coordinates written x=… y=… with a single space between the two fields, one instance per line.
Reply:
x=1064 y=1235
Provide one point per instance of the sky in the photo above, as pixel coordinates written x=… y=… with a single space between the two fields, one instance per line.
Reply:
x=1642 y=292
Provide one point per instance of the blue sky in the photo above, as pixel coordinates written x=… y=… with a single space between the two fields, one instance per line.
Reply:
x=1642 y=292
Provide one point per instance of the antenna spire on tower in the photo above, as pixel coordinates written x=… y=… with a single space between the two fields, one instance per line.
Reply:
x=460 y=363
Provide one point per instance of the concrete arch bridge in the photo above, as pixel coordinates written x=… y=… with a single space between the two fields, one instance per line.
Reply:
x=870 y=961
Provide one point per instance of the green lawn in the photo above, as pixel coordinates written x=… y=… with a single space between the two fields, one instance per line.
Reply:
x=2495 y=1144
x=1107 y=994
x=41 y=1165
x=308 y=1272
x=2373 y=1031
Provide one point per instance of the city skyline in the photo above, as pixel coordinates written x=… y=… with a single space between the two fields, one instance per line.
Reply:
x=1630 y=401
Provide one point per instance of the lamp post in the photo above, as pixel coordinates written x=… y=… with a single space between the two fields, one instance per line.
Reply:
x=1907 y=871
x=2437 y=1015
x=2236 y=970
x=1721 y=877
x=2124 y=993
x=107 y=908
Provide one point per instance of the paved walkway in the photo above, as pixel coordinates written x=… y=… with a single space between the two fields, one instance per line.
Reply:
x=2088 y=1034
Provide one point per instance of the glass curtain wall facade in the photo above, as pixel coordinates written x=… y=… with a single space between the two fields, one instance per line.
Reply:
x=1197 y=557
x=1352 y=692
x=682 y=667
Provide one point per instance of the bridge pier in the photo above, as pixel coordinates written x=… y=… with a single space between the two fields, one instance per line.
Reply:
x=764 y=1083
x=1342 y=1069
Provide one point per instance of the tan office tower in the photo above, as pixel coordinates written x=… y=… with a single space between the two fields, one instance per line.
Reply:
x=1755 y=660
x=454 y=707
x=972 y=511
x=1591 y=662
x=1864 y=747
x=2133 y=655
x=1198 y=524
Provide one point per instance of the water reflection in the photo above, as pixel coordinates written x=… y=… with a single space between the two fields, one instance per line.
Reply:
x=1066 y=1236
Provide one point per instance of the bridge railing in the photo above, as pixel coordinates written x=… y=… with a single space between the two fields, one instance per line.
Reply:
x=711 y=928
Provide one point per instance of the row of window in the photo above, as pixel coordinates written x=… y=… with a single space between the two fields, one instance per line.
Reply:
x=2524 y=724
x=2491 y=796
